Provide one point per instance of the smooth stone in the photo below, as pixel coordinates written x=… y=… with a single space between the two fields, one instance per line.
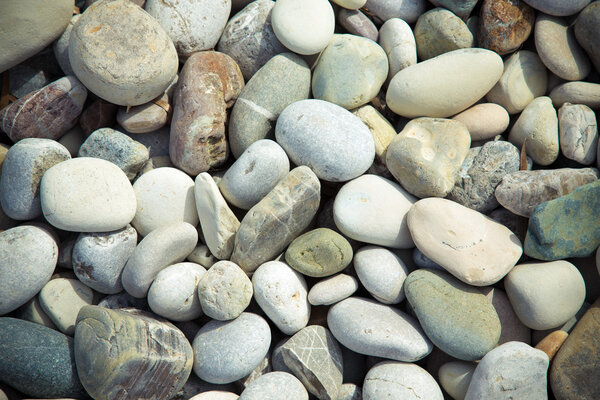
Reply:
x=408 y=10
x=123 y=300
x=552 y=343
x=28 y=256
x=513 y=365
x=504 y=25
x=275 y=221
x=397 y=39
x=332 y=290
x=62 y=299
x=513 y=329
x=371 y=328
x=456 y=317
x=586 y=93
x=99 y=258
x=565 y=227
x=455 y=377
x=61 y=47
x=130 y=354
x=357 y=23
x=99 y=114
x=274 y=386
x=444 y=85
x=341 y=150
x=38 y=361
x=373 y=210
x=422 y=261
x=557 y=7
x=439 y=31
x=254 y=174
x=558 y=49
x=126 y=62
x=87 y=195
x=304 y=28
x=462 y=8
x=202 y=255
x=45 y=113
x=545 y=295
x=399 y=380
x=350 y=4
x=215 y=395
x=22 y=169
x=522 y=191
x=283 y=80
x=349 y=391
x=32 y=311
x=578 y=133
x=159 y=249
x=523 y=80
x=277 y=357
x=383 y=132
x=225 y=291
x=282 y=293
x=145 y=117
x=427 y=154
x=164 y=196
x=157 y=142
x=587 y=32
x=365 y=67
x=225 y=351
x=484 y=120
x=381 y=272
x=481 y=172
x=192 y=25
x=315 y=357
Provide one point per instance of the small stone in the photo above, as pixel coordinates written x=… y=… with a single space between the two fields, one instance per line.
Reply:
x=552 y=343
x=332 y=290
x=349 y=391
x=513 y=329
x=586 y=93
x=215 y=395
x=504 y=25
x=23 y=79
x=274 y=386
x=484 y=120
x=586 y=29
x=385 y=10
x=357 y=23
x=350 y=4
x=439 y=31
x=383 y=132
x=201 y=255
x=145 y=117
x=99 y=114
x=381 y=272
x=557 y=7
x=397 y=39
x=399 y=380
x=62 y=299
x=462 y=8
x=578 y=133
x=455 y=377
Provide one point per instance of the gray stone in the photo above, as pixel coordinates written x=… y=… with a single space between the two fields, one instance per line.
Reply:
x=422 y=261
x=398 y=380
x=332 y=290
x=275 y=386
x=439 y=31
x=349 y=391
x=261 y=369
x=357 y=23
x=578 y=133
x=123 y=300
x=462 y=8
x=409 y=10
x=587 y=31
x=512 y=327
x=558 y=7
x=24 y=79
x=62 y=299
x=157 y=142
x=381 y=272
x=61 y=47
x=586 y=93
x=32 y=311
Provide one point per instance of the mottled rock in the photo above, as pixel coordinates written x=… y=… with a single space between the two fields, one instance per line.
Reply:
x=397 y=39
x=333 y=289
x=578 y=133
x=398 y=380
x=586 y=93
x=484 y=120
x=513 y=329
x=408 y=10
x=504 y=25
x=439 y=31
x=586 y=29
x=99 y=114
x=62 y=299
x=357 y=23
x=274 y=386
x=381 y=272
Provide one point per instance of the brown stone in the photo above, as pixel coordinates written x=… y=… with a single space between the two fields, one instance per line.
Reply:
x=551 y=343
x=209 y=83
x=99 y=114
x=504 y=25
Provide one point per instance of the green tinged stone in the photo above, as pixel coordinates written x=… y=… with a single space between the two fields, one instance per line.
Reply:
x=565 y=227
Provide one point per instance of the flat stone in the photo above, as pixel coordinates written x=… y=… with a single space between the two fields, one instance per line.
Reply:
x=357 y=23
x=277 y=219
x=397 y=39
x=439 y=31
x=455 y=377
x=578 y=133
x=371 y=328
x=557 y=7
x=586 y=93
x=385 y=10
x=131 y=352
x=332 y=290
x=225 y=351
x=381 y=272
x=504 y=25
x=399 y=380
x=586 y=29
x=146 y=117
x=62 y=299
x=484 y=120
x=513 y=329
x=274 y=386
x=99 y=114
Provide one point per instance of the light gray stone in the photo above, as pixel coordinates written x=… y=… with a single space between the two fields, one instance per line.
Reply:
x=578 y=133
x=397 y=39
x=62 y=299
x=557 y=7
x=349 y=391
x=357 y=23
x=399 y=380
x=61 y=47
x=274 y=386
x=586 y=93
x=381 y=272
x=439 y=31
x=332 y=289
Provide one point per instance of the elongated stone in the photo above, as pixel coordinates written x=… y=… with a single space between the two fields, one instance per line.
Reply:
x=587 y=31
x=277 y=219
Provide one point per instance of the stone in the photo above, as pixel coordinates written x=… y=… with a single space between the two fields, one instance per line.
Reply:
x=121 y=353
x=350 y=4
x=357 y=23
x=277 y=219
x=371 y=328
x=522 y=191
x=38 y=361
x=552 y=343
x=484 y=120
x=274 y=386
x=444 y=85
x=72 y=140
x=461 y=8
x=513 y=329
x=381 y=272
x=145 y=117
x=201 y=255
x=586 y=93
x=123 y=300
x=586 y=29
x=39 y=25
x=399 y=380
x=28 y=256
x=87 y=195
x=283 y=80
x=22 y=169
x=215 y=395
x=349 y=391
x=439 y=31
x=254 y=174
x=455 y=376
x=397 y=39
x=545 y=295
x=523 y=80
x=557 y=7
x=292 y=21
x=282 y=293
x=157 y=142
x=159 y=249
x=61 y=47
x=173 y=293
x=504 y=25
x=558 y=49
x=332 y=290
x=383 y=132
x=62 y=299
x=192 y=25
x=578 y=133
x=340 y=151
x=24 y=78
x=385 y=10
x=99 y=114
x=427 y=154
x=225 y=351
x=45 y=113
x=164 y=196
x=483 y=169
x=32 y=311
x=99 y=258
x=513 y=365
x=124 y=61
x=365 y=67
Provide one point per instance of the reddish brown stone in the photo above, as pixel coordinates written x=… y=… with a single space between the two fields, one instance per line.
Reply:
x=504 y=25
x=99 y=114
x=209 y=83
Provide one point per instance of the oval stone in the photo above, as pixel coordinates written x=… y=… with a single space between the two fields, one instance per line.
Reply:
x=586 y=28
x=62 y=299
x=357 y=23
x=558 y=7
x=397 y=39
x=333 y=289
x=578 y=133
x=439 y=31
x=398 y=380
x=381 y=272
x=484 y=120
x=408 y=10
x=504 y=25
x=586 y=93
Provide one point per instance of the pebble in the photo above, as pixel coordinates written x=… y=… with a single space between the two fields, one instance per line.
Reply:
x=357 y=23
x=444 y=85
x=282 y=293
x=545 y=295
x=225 y=351
x=397 y=39
x=513 y=329
x=585 y=93
x=123 y=300
x=225 y=291
x=557 y=7
x=32 y=311
x=373 y=210
x=439 y=31
x=28 y=256
x=586 y=30
x=578 y=133
x=374 y=329
x=350 y=4
x=201 y=255
x=484 y=120
x=504 y=25
x=62 y=299
x=399 y=380
x=462 y=8
x=455 y=377
x=381 y=272
x=61 y=47
x=215 y=395
x=274 y=386
x=333 y=289
x=123 y=61
x=130 y=352
x=341 y=150
x=146 y=117
x=383 y=132
x=408 y=10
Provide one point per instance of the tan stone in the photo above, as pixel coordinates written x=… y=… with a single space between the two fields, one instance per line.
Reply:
x=552 y=343
x=484 y=121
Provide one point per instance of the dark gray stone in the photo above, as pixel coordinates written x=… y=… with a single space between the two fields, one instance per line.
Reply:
x=587 y=31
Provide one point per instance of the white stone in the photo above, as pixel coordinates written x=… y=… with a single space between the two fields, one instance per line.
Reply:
x=201 y=255
x=484 y=121
x=332 y=289
x=397 y=39
x=408 y=10
x=578 y=133
x=373 y=210
x=350 y=4
x=215 y=395
x=61 y=299
x=381 y=272
x=398 y=380
x=455 y=377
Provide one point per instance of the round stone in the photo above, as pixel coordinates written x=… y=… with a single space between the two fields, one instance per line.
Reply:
x=398 y=380
x=333 y=289
x=504 y=25
x=484 y=120
x=439 y=31
x=381 y=272
x=275 y=385
x=62 y=299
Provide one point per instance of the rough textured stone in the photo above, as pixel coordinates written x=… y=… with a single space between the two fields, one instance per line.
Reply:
x=397 y=39
x=357 y=23
x=586 y=93
x=397 y=380
x=408 y=10
x=578 y=133
x=99 y=114
x=61 y=299
x=439 y=31
x=333 y=289
x=504 y=25
x=274 y=386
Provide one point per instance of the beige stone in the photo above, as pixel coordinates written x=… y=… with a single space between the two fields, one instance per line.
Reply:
x=484 y=121
x=383 y=132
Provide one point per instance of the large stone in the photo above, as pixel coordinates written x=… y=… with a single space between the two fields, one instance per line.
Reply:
x=587 y=31
x=439 y=31
x=62 y=299
x=398 y=380
x=504 y=25
x=578 y=133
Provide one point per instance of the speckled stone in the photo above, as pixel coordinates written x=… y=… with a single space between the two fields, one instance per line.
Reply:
x=62 y=299
x=357 y=23
x=398 y=380
x=504 y=25
x=408 y=10
x=333 y=289
x=397 y=39
x=274 y=386
x=381 y=272
x=586 y=93
x=439 y=31
x=578 y=133
x=131 y=352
